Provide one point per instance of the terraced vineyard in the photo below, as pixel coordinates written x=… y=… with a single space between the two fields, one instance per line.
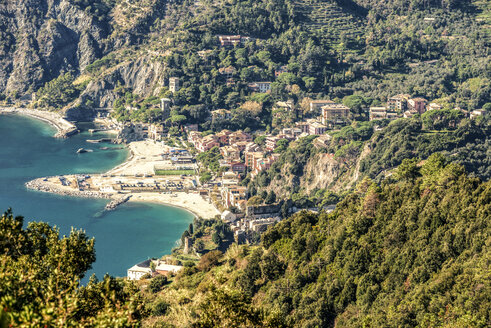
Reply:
x=328 y=18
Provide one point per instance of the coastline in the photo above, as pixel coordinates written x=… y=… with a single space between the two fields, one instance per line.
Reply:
x=135 y=171
x=64 y=128
x=190 y=202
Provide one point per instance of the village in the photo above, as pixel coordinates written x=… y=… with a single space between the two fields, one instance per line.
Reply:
x=242 y=156
x=168 y=169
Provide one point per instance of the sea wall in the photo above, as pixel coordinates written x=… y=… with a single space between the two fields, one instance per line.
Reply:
x=41 y=185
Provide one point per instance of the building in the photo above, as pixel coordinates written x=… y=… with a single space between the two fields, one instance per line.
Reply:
x=316 y=105
x=241 y=146
x=263 y=211
x=334 y=114
x=174 y=84
x=228 y=216
x=165 y=107
x=230 y=153
x=164 y=268
x=317 y=128
x=417 y=104
x=392 y=116
x=155 y=132
x=223 y=137
x=262 y=164
x=239 y=136
x=398 y=102
x=140 y=130
x=193 y=137
x=191 y=127
x=323 y=141
x=220 y=115
x=251 y=157
x=137 y=271
x=381 y=113
x=206 y=143
x=271 y=142
x=434 y=106
x=232 y=40
x=280 y=70
x=261 y=87
x=237 y=167
x=291 y=133
x=410 y=113
x=232 y=195
x=228 y=72
x=477 y=112
x=378 y=113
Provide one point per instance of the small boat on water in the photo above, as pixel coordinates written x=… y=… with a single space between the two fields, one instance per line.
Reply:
x=83 y=150
x=99 y=140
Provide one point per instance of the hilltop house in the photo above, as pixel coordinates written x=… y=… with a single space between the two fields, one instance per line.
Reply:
x=261 y=87
x=398 y=102
x=417 y=104
x=334 y=114
x=232 y=40
x=316 y=105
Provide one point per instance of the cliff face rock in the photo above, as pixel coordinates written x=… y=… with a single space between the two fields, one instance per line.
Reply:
x=322 y=171
x=143 y=76
x=39 y=39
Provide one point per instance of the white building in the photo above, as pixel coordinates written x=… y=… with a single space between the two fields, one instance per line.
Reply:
x=137 y=271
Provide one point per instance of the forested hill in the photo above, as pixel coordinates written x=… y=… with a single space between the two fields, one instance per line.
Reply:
x=411 y=252
x=119 y=52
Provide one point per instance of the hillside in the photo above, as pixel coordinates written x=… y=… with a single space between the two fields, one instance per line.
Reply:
x=332 y=48
x=313 y=173
x=410 y=252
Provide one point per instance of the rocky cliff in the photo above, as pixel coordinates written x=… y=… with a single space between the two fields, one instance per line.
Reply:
x=42 y=38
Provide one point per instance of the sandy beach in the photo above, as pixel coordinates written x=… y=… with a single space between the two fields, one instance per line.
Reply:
x=135 y=172
x=135 y=177
x=191 y=202
x=64 y=128
x=144 y=156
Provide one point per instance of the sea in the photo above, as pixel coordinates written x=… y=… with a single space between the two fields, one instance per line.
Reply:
x=126 y=236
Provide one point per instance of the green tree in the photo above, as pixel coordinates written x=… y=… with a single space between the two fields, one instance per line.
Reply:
x=40 y=276
x=157 y=283
x=271 y=198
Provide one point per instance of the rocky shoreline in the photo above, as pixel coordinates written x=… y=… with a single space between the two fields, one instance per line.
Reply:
x=40 y=185
x=64 y=128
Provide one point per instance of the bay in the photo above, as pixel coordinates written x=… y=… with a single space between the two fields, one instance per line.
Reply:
x=124 y=237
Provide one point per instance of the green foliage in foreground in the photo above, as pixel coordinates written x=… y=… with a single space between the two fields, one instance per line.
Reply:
x=39 y=281
x=410 y=252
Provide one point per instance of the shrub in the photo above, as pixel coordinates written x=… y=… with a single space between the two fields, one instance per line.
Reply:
x=157 y=283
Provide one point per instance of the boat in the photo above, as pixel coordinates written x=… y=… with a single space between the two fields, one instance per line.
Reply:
x=83 y=150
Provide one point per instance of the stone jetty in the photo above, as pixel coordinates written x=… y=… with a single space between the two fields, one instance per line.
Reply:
x=116 y=202
x=41 y=185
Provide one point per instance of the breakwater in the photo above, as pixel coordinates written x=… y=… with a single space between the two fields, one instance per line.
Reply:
x=41 y=185
x=112 y=205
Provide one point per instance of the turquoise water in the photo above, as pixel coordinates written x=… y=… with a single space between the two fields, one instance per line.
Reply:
x=124 y=237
